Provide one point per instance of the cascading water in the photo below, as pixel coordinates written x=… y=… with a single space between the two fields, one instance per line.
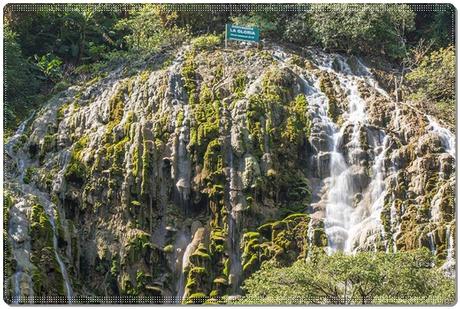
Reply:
x=447 y=138
x=347 y=225
x=365 y=218
x=18 y=227
x=185 y=246
x=18 y=230
x=449 y=266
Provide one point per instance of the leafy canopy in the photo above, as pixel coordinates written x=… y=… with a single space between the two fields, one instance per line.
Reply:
x=365 y=278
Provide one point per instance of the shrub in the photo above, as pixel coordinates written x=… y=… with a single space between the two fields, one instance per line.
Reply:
x=206 y=42
x=433 y=81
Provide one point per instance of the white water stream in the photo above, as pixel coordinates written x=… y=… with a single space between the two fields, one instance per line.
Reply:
x=19 y=228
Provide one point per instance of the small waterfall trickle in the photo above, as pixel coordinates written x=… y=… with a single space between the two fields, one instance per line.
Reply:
x=235 y=259
x=449 y=266
x=431 y=242
x=18 y=227
x=49 y=209
x=59 y=182
x=447 y=138
x=186 y=248
x=18 y=230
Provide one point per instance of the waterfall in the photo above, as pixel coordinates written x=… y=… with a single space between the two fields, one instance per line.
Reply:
x=371 y=224
x=183 y=165
x=9 y=146
x=59 y=182
x=310 y=237
x=19 y=220
x=49 y=211
x=183 y=261
x=18 y=230
x=447 y=138
x=348 y=225
x=431 y=242
x=449 y=266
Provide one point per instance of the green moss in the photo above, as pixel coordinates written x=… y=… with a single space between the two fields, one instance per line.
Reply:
x=136 y=161
x=77 y=171
x=136 y=203
x=48 y=145
x=214 y=293
x=188 y=76
x=41 y=229
x=240 y=81
x=226 y=270
x=297 y=127
x=168 y=249
x=61 y=112
x=327 y=88
x=136 y=247
x=29 y=174
x=250 y=265
x=197 y=298
x=116 y=110
x=128 y=123
x=250 y=235
x=148 y=159
x=180 y=118
x=115 y=267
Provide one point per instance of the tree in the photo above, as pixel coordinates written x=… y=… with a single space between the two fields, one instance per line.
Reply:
x=364 y=278
x=363 y=28
x=151 y=27
x=19 y=83
x=432 y=81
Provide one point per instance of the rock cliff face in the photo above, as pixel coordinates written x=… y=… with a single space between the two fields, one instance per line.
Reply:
x=182 y=179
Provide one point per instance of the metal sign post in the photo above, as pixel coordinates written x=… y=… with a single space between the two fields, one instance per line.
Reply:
x=226 y=31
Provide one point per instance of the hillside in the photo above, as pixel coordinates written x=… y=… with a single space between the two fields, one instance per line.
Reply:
x=180 y=171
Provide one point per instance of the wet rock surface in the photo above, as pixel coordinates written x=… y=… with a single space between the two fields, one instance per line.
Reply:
x=182 y=181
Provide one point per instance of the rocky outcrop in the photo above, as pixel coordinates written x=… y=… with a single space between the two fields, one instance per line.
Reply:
x=183 y=179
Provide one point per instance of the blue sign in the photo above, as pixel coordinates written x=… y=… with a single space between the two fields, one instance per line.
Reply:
x=240 y=33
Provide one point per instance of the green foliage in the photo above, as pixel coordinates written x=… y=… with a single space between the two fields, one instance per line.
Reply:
x=433 y=81
x=19 y=83
x=206 y=42
x=50 y=65
x=363 y=28
x=363 y=278
x=150 y=28
x=264 y=20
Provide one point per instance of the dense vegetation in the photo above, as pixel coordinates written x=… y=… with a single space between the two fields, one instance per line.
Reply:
x=46 y=50
x=364 y=278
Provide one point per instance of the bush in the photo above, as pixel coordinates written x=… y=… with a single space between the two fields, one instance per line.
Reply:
x=433 y=82
x=149 y=28
x=370 y=28
x=206 y=42
x=51 y=66
x=363 y=278
x=19 y=83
